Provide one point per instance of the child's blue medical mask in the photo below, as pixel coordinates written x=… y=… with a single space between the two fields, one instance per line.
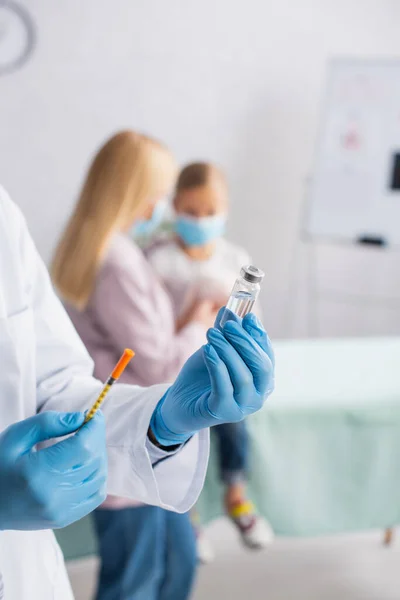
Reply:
x=143 y=227
x=197 y=231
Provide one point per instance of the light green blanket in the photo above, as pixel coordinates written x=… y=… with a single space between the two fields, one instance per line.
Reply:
x=326 y=447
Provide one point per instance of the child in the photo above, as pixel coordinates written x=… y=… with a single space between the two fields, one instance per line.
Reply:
x=198 y=263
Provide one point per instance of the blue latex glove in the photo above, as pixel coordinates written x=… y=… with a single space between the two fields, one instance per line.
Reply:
x=223 y=382
x=55 y=486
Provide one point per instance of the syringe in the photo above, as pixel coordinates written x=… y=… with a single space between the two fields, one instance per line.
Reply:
x=115 y=375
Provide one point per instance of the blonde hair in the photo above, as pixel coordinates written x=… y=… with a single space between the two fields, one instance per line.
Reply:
x=199 y=174
x=129 y=170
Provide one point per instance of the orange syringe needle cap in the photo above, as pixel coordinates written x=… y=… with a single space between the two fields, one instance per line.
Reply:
x=121 y=364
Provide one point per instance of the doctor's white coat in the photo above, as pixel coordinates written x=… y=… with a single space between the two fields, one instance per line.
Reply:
x=44 y=366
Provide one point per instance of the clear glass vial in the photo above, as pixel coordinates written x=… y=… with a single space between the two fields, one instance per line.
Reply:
x=244 y=292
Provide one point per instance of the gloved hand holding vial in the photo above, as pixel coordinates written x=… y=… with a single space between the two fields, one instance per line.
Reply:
x=237 y=362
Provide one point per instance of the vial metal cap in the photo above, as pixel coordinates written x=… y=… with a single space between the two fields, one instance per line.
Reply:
x=252 y=274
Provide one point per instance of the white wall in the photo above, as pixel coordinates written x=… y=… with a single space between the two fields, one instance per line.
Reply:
x=232 y=81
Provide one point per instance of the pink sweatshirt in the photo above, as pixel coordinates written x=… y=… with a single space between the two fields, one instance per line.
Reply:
x=129 y=308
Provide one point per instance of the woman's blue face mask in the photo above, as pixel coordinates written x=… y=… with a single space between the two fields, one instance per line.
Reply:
x=144 y=228
x=198 y=231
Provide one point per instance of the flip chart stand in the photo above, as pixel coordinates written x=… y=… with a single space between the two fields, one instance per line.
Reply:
x=304 y=269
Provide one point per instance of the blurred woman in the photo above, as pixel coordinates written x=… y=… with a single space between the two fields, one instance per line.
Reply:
x=115 y=300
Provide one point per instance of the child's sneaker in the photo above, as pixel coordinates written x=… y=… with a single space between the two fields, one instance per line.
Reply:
x=256 y=532
x=205 y=551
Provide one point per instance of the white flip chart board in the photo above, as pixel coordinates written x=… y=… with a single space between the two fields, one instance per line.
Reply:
x=355 y=188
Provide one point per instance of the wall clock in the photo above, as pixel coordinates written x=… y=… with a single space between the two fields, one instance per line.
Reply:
x=17 y=36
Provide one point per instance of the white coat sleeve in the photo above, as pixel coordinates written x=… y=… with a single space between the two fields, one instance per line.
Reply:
x=65 y=383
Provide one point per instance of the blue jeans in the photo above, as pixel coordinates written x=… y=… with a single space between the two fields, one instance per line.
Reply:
x=147 y=553
x=233 y=451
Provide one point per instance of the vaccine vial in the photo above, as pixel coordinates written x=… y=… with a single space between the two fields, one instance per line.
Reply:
x=244 y=292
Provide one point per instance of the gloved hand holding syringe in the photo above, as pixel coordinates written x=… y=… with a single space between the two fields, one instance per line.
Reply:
x=224 y=381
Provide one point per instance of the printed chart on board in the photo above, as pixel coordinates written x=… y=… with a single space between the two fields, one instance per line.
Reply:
x=355 y=189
